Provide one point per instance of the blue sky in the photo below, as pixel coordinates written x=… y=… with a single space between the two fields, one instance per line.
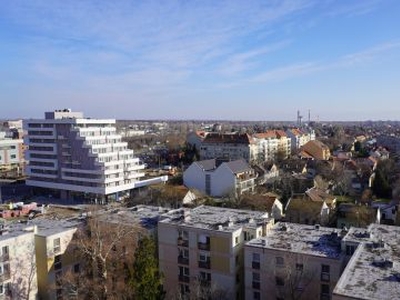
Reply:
x=239 y=60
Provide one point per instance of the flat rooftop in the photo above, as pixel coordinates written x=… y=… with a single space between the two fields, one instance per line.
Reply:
x=147 y=216
x=217 y=218
x=299 y=238
x=373 y=272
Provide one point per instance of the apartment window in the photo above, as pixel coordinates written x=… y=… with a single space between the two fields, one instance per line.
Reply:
x=57 y=262
x=279 y=281
x=279 y=261
x=299 y=267
x=325 y=292
x=256 y=261
x=13 y=156
x=350 y=249
x=236 y=240
x=57 y=245
x=77 y=268
x=256 y=295
x=325 y=272
x=5 y=253
x=204 y=276
x=256 y=281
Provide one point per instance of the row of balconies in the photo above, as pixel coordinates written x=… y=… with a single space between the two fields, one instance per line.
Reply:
x=185 y=243
x=201 y=264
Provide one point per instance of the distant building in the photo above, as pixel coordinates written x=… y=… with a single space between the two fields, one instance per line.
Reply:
x=316 y=150
x=77 y=155
x=201 y=250
x=229 y=178
x=299 y=138
x=272 y=144
x=228 y=146
x=11 y=153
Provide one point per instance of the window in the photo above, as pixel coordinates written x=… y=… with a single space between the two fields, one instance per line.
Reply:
x=57 y=262
x=350 y=249
x=299 y=267
x=236 y=240
x=325 y=270
x=204 y=276
x=4 y=253
x=57 y=245
x=279 y=261
x=77 y=268
x=325 y=292
x=256 y=295
x=256 y=276
x=279 y=281
x=204 y=257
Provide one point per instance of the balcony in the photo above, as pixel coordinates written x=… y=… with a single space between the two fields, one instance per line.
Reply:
x=183 y=260
x=205 y=264
x=255 y=265
x=203 y=246
x=184 y=278
x=256 y=285
x=182 y=242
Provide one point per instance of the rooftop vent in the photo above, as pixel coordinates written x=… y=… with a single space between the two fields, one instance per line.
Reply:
x=317 y=226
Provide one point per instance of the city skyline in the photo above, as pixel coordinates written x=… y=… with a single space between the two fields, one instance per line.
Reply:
x=227 y=60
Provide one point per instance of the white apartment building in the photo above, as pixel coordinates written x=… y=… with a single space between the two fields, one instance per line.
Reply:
x=11 y=153
x=272 y=144
x=201 y=250
x=299 y=137
x=73 y=154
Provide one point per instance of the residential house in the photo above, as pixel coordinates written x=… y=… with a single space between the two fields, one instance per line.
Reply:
x=316 y=150
x=301 y=209
x=356 y=215
x=233 y=177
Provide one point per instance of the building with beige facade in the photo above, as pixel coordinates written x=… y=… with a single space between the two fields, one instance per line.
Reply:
x=18 y=279
x=201 y=250
x=293 y=261
x=272 y=144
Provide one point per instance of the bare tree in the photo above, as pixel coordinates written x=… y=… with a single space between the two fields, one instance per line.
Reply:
x=294 y=277
x=106 y=248
x=23 y=270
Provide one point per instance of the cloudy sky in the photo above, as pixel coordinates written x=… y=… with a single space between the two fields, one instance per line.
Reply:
x=240 y=60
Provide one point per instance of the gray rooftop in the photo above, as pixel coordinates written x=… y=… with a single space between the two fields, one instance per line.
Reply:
x=300 y=238
x=217 y=218
x=207 y=165
x=374 y=269
x=237 y=166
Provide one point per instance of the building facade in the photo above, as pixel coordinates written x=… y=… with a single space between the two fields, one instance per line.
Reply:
x=201 y=250
x=80 y=155
x=293 y=262
x=11 y=153
x=231 y=178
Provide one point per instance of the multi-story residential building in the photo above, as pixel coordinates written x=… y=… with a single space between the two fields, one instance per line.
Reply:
x=272 y=144
x=201 y=250
x=77 y=155
x=299 y=138
x=18 y=279
x=228 y=146
x=373 y=271
x=293 y=262
x=11 y=153
x=54 y=255
x=231 y=178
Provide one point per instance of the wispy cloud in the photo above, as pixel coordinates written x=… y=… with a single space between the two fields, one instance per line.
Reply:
x=306 y=68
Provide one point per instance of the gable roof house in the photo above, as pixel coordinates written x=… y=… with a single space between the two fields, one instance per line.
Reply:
x=233 y=177
x=316 y=150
